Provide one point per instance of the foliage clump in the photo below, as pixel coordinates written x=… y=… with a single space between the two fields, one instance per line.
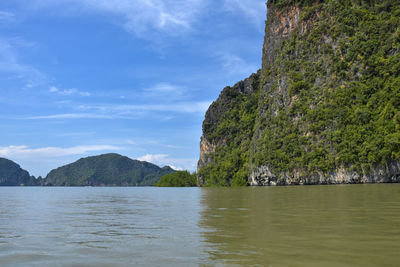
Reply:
x=178 y=179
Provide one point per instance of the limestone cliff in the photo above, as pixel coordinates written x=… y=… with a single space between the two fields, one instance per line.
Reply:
x=325 y=106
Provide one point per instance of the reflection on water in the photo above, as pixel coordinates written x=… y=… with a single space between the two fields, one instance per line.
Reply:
x=296 y=226
x=354 y=225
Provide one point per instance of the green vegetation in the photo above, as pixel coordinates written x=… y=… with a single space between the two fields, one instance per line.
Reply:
x=106 y=170
x=285 y=3
x=307 y=3
x=11 y=174
x=178 y=179
x=330 y=97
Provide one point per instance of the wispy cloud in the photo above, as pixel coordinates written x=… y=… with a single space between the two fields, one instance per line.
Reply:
x=6 y=16
x=254 y=10
x=165 y=91
x=126 y=111
x=76 y=134
x=69 y=116
x=68 y=92
x=143 y=17
x=182 y=107
x=11 y=65
x=25 y=152
x=236 y=65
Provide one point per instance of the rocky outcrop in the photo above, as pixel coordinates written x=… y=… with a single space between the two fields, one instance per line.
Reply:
x=206 y=149
x=263 y=176
x=281 y=23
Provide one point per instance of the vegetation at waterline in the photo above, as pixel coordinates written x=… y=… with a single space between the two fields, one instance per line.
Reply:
x=178 y=179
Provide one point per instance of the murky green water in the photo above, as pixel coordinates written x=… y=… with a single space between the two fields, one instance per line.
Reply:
x=355 y=225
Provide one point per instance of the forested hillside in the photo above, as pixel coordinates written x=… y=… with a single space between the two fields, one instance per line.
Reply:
x=107 y=170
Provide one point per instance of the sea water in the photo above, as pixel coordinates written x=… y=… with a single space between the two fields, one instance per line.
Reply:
x=349 y=225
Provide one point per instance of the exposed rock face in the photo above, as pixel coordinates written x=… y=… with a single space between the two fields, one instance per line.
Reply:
x=281 y=24
x=206 y=149
x=262 y=176
x=314 y=118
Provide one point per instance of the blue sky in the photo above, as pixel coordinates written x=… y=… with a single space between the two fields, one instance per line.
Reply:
x=135 y=77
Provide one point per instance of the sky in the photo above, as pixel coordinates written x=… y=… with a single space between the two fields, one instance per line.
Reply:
x=86 y=77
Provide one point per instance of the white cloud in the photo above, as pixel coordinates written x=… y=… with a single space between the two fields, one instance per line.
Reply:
x=254 y=10
x=141 y=16
x=25 y=152
x=176 y=168
x=153 y=157
x=68 y=92
x=165 y=160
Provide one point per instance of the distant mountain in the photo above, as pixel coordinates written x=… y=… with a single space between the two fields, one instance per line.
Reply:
x=11 y=174
x=107 y=170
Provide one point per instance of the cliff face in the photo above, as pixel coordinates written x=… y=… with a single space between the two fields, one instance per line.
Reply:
x=227 y=131
x=325 y=106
